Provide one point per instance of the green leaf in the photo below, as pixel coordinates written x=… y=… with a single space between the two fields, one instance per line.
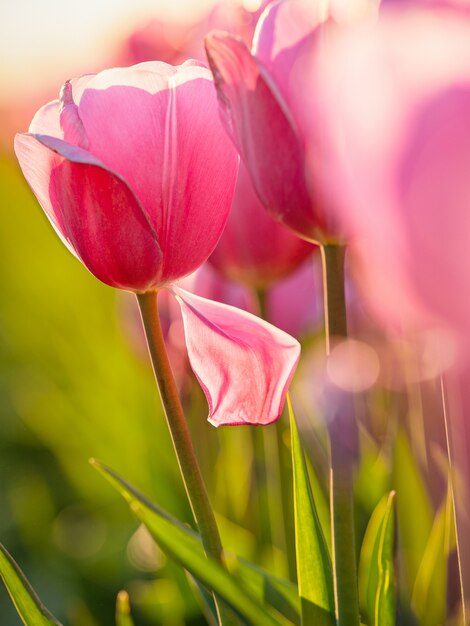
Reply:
x=184 y=546
x=429 y=593
x=277 y=592
x=29 y=607
x=123 y=610
x=314 y=571
x=376 y=571
x=415 y=517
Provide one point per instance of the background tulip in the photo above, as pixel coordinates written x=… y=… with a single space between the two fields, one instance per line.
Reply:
x=260 y=105
x=397 y=157
x=398 y=152
x=254 y=249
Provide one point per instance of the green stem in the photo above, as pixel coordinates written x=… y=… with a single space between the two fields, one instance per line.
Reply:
x=190 y=472
x=279 y=498
x=342 y=440
x=459 y=534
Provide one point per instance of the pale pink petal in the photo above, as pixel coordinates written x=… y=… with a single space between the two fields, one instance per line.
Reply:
x=259 y=122
x=70 y=122
x=243 y=364
x=395 y=113
x=280 y=34
x=171 y=148
x=93 y=210
x=47 y=120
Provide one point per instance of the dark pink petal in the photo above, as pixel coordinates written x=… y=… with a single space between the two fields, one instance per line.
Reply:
x=171 y=149
x=243 y=364
x=93 y=210
x=255 y=249
x=262 y=127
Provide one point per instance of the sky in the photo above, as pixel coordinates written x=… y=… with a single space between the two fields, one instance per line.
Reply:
x=57 y=38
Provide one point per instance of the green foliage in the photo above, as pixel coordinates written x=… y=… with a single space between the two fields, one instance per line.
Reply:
x=376 y=569
x=415 y=517
x=123 y=610
x=28 y=605
x=429 y=593
x=314 y=571
x=184 y=545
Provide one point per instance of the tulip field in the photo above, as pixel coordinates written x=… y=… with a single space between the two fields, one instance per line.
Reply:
x=235 y=321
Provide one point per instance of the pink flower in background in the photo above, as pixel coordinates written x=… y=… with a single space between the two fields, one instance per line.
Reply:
x=398 y=145
x=173 y=41
x=260 y=98
x=254 y=249
x=136 y=174
x=294 y=304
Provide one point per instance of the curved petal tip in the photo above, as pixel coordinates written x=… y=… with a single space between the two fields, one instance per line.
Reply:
x=243 y=364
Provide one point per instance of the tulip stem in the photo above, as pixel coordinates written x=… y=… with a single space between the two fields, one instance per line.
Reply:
x=343 y=436
x=190 y=471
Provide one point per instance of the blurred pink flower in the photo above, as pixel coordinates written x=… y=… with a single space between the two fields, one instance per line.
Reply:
x=254 y=249
x=175 y=40
x=395 y=105
x=135 y=173
x=293 y=304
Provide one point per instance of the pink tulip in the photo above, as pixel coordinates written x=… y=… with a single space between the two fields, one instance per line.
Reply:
x=136 y=174
x=395 y=107
x=254 y=249
x=132 y=204
x=290 y=303
x=260 y=104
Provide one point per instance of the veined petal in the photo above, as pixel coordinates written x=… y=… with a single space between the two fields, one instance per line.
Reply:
x=93 y=210
x=280 y=33
x=261 y=126
x=175 y=151
x=243 y=364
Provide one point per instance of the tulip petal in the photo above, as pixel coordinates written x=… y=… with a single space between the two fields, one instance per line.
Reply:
x=93 y=210
x=281 y=32
x=176 y=149
x=243 y=364
x=259 y=122
x=47 y=120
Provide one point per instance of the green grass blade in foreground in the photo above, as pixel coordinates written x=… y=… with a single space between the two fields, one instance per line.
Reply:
x=429 y=593
x=414 y=510
x=314 y=571
x=376 y=571
x=123 y=610
x=29 y=607
x=184 y=546
x=279 y=593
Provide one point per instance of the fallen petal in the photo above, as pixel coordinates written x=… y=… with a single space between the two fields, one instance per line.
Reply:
x=243 y=364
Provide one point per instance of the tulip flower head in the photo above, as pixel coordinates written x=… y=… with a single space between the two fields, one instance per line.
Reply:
x=135 y=173
x=261 y=97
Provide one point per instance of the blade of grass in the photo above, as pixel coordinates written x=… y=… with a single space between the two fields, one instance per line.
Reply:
x=314 y=570
x=123 y=610
x=29 y=606
x=185 y=547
